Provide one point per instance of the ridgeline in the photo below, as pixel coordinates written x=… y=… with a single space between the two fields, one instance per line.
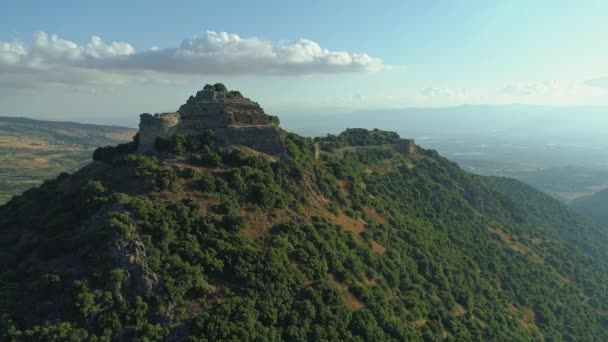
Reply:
x=363 y=236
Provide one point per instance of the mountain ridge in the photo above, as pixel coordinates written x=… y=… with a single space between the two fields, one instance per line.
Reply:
x=206 y=242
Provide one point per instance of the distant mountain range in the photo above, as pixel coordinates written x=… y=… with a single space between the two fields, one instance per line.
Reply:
x=34 y=150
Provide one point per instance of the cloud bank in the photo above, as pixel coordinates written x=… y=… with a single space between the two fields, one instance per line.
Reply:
x=51 y=59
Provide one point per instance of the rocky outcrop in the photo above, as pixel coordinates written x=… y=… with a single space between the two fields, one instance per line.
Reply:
x=235 y=119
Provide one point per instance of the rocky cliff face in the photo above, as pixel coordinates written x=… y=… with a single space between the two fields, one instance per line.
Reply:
x=236 y=120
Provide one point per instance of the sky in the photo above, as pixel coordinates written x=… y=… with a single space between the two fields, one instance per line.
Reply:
x=108 y=61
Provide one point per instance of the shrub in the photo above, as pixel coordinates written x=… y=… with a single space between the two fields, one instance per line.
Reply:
x=179 y=145
x=220 y=87
x=275 y=120
x=105 y=154
x=141 y=161
x=166 y=177
x=207 y=183
x=192 y=173
x=84 y=299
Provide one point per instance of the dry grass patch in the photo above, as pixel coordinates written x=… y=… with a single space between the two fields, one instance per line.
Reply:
x=352 y=302
x=481 y=322
x=26 y=143
x=516 y=246
x=459 y=310
x=344 y=188
x=378 y=248
x=370 y=282
x=121 y=136
x=420 y=322
x=356 y=226
x=526 y=316
x=375 y=216
x=318 y=207
x=258 y=223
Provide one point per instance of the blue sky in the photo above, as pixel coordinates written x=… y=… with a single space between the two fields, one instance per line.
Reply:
x=380 y=54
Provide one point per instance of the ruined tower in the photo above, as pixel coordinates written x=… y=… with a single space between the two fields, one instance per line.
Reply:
x=235 y=119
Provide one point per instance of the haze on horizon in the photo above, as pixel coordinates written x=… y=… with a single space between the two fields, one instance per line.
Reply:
x=107 y=62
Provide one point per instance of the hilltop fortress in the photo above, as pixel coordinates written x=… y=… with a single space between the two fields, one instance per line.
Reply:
x=235 y=119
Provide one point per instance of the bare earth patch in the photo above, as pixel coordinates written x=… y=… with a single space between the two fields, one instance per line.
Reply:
x=516 y=246
x=526 y=316
x=356 y=226
x=352 y=302
x=459 y=310
x=378 y=248
x=375 y=216
x=344 y=187
x=258 y=222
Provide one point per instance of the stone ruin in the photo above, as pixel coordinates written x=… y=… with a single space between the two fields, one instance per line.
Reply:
x=406 y=146
x=235 y=119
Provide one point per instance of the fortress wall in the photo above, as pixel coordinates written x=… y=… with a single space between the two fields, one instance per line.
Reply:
x=195 y=125
x=235 y=119
x=266 y=139
x=202 y=109
x=250 y=118
x=154 y=126
x=244 y=107
x=406 y=146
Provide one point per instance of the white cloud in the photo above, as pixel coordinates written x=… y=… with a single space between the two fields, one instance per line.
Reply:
x=97 y=48
x=600 y=82
x=535 y=89
x=11 y=53
x=437 y=92
x=449 y=94
x=51 y=59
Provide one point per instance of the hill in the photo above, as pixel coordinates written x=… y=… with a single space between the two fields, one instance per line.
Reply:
x=595 y=207
x=344 y=238
x=565 y=183
x=34 y=150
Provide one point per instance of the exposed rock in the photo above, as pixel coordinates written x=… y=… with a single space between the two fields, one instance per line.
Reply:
x=131 y=256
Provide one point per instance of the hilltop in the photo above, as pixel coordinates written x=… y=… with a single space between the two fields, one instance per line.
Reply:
x=34 y=150
x=360 y=236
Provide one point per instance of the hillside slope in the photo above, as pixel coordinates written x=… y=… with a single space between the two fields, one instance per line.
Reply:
x=34 y=150
x=595 y=207
x=229 y=244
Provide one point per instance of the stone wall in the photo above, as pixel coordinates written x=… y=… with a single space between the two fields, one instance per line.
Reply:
x=154 y=126
x=406 y=146
x=235 y=119
x=265 y=139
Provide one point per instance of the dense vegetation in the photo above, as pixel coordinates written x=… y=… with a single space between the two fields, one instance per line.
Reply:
x=367 y=245
x=357 y=137
x=595 y=207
